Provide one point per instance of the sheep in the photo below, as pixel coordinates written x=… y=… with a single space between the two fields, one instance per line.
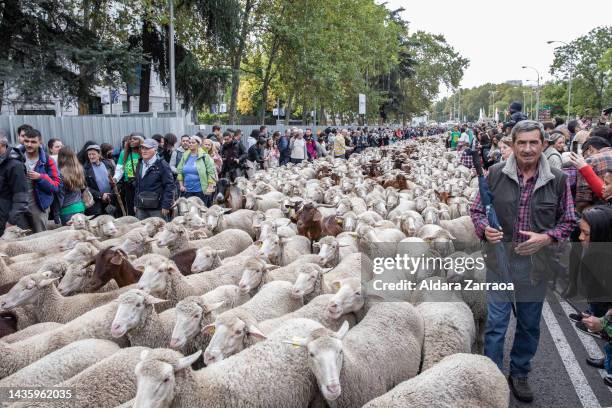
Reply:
x=30 y=331
x=62 y=364
x=445 y=386
x=334 y=249
x=352 y=367
x=409 y=222
x=313 y=310
x=102 y=226
x=50 y=305
x=195 y=312
x=438 y=238
x=312 y=281
x=63 y=239
x=137 y=319
x=14 y=232
x=217 y=220
x=234 y=382
x=463 y=231
x=112 y=377
x=378 y=242
x=263 y=202
x=235 y=329
x=93 y=324
x=256 y=273
x=449 y=329
x=229 y=242
x=283 y=251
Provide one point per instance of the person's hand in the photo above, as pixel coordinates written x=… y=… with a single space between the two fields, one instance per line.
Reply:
x=493 y=235
x=165 y=212
x=535 y=242
x=592 y=322
x=210 y=188
x=577 y=161
x=32 y=175
x=182 y=188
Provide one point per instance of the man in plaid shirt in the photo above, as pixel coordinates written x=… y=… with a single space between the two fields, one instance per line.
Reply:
x=534 y=205
x=598 y=154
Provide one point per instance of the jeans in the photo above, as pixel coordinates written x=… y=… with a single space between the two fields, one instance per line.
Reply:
x=528 y=314
x=608 y=358
x=296 y=161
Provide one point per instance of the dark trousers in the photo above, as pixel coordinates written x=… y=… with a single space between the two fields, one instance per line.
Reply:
x=206 y=198
x=128 y=197
x=296 y=161
x=142 y=214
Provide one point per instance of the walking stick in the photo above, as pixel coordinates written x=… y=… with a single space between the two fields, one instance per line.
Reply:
x=116 y=193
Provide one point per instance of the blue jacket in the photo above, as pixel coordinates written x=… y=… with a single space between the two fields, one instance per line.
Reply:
x=283 y=146
x=49 y=182
x=159 y=179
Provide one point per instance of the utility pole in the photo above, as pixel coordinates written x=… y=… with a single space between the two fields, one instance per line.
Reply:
x=537 y=91
x=569 y=84
x=171 y=55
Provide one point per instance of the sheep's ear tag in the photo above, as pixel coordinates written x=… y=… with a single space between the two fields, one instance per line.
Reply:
x=296 y=342
x=337 y=285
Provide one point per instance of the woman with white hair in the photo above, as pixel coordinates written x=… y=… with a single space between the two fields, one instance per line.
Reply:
x=196 y=172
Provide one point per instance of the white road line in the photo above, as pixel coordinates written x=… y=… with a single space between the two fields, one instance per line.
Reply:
x=581 y=385
x=589 y=343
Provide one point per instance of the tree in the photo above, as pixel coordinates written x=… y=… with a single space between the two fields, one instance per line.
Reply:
x=583 y=57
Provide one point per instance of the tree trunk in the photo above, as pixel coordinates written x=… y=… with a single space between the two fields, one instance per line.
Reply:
x=268 y=78
x=334 y=122
x=322 y=118
x=288 y=109
x=236 y=60
x=145 y=71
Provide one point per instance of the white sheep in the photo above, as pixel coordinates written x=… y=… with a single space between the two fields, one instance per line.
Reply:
x=165 y=378
x=64 y=239
x=444 y=386
x=334 y=249
x=438 y=238
x=283 y=251
x=50 y=306
x=61 y=364
x=236 y=329
x=463 y=231
x=227 y=243
x=217 y=220
x=384 y=349
x=257 y=272
x=13 y=232
x=30 y=331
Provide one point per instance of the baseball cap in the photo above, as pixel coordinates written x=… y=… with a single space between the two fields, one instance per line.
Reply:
x=94 y=147
x=150 y=144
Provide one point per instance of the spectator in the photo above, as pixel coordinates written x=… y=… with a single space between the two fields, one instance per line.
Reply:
x=233 y=155
x=297 y=146
x=464 y=139
x=13 y=186
x=21 y=131
x=516 y=112
x=169 y=142
x=126 y=167
x=160 y=142
x=82 y=154
x=44 y=181
x=154 y=185
x=494 y=155
x=454 y=137
x=595 y=183
x=578 y=141
x=98 y=173
x=196 y=172
x=255 y=157
x=177 y=154
x=73 y=182
x=311 y=147
x=506 y=146
x=558 y=121
x=54 y=146
x=106 y=149
x=215 y=136
x=553 y=142
x=271 y=154
x=604 y=132
x=340 y=145
x=283 y=148
x=210 y=148
x=263 y=131
x=252 y=139
x=529 y=228
x=598 y=155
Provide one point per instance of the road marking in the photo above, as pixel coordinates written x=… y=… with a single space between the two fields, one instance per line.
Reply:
x=589 y=343
x=581 y=385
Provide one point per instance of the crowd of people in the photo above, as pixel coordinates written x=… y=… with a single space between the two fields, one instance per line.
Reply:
x=551 y=184
x=144 y=176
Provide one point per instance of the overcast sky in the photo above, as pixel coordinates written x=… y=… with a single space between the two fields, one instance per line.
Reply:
x=499 y=37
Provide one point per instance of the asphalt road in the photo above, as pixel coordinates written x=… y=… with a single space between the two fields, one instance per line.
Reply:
x=560 y=376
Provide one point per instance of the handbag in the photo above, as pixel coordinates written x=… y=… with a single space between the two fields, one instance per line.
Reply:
x=147 y=200
x=87 y=197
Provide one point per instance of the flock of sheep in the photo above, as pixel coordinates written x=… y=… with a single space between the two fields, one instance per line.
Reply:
x=263 y=299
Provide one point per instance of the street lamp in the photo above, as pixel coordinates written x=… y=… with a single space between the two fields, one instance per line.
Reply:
x=569 y=84
x=537 y=90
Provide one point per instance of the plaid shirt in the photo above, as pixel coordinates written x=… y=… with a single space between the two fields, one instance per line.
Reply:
x=565 y=213
x=466 y=159
x=572 y=177
x=600 y=162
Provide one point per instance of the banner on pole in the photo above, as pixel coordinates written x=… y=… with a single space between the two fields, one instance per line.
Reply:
x=362 y=104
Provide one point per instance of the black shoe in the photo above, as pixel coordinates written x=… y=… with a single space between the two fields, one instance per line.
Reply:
x=582 y=327
x=575 y=317
x=595 y=362
x=608 y=380
x=521 y=389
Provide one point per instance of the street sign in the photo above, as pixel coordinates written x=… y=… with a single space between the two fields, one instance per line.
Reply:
x=362 y=104
x=223 y=108
x=114 y=96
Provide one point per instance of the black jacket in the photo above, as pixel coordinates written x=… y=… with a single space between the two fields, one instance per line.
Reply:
x=90 y=180
x=158 y=179
x=255 y=154
x=13 y=187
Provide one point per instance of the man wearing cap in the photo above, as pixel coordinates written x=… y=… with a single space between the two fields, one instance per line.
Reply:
x=97 y=176
x=154 y=184
x=556 y=146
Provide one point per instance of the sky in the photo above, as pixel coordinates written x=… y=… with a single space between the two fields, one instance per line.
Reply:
x=499 y=37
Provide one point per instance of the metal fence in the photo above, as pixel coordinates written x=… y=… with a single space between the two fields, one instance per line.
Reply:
x=76 y=130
